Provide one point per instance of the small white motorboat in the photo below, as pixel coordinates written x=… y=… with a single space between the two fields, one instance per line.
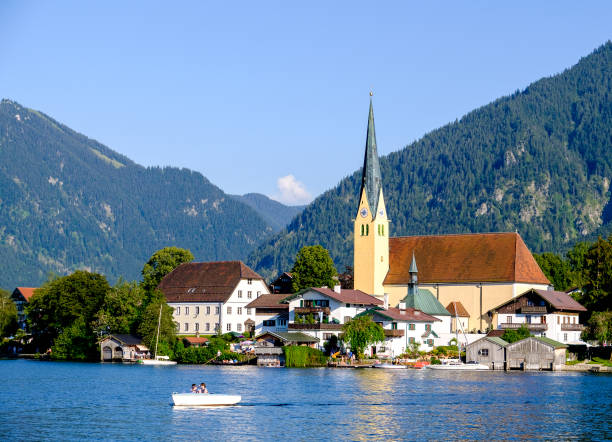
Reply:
x=390 y=366
x=459 y=366
x=204 y=399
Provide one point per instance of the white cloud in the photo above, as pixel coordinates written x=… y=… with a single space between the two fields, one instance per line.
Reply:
x=292 y=192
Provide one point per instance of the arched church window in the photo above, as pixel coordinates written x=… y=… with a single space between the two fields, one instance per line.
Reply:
x=367 y=229
x=362 y=230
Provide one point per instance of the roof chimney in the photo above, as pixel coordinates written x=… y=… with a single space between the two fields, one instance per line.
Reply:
x=402 y=306
x=337 y=288
x=386 y=301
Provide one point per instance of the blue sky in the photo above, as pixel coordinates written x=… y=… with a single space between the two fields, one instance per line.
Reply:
x=271 y=97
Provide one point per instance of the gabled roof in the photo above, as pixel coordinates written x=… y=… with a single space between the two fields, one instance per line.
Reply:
x=270 y=301
x=455 y=308
x=545 y=340
x=426 y=302
x=371 y=179
x=290 y=336
x=205 y=281
x=347 y=296
x=126 y=339
x=557 y=300
x=478 y=257
x=26 y=292
x=395 y=314
x=196 y=341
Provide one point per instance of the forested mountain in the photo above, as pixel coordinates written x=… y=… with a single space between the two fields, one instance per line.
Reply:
x=68 y=202
x=276 y=214
x=538 y=161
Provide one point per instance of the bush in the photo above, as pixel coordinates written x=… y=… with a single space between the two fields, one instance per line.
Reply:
x=302 y=356
x=435 y=361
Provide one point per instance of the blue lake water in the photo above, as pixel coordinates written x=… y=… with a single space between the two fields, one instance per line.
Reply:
x=74 y=401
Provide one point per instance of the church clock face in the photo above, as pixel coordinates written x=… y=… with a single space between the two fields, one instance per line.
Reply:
x=381 y=212
x=363 y=212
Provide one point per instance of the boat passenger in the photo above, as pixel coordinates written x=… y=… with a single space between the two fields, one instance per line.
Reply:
x=194 y=388
x=203 y=388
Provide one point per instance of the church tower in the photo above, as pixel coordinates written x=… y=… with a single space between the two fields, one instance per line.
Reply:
x=371 y=230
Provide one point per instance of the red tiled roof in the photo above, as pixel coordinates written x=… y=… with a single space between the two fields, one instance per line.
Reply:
x=205 y=281
x=409 y=314
x=26 y=292
x=480 y=257
x=496 y=333
x=349 y=296
x=193 y=340
x=455 y=308
x=270 y=301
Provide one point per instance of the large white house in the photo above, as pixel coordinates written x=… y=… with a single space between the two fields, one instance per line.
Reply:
x=321 y=312
x=207 y=296
x=403 y=327
x=545 y=313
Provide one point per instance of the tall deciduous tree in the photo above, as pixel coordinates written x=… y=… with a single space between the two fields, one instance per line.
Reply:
x=361 y=332
x=556 y=269
x=148 y=326
x=313 y=267
x=598 y=267
x=122 y=309
x=8 y=315
x=161 y=263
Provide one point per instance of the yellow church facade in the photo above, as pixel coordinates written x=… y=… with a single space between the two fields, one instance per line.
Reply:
x=481 y=271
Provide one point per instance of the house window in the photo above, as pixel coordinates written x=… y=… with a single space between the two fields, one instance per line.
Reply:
x=248 y=311
x=239 y=327
x=484 y=352
x=411 y=327
x=229 y=327
x=394 y=326
x=197 y=326
x=269 y=323
x=347 y=319
x=217 y=310
x=558 y=320
x=258 y=294
x=229 y=310
x=217 y=328
x=239 y=293
x=282 y=322
x=197 y=310
x=411 y=340
x=249 y=281
x=427 y=327
x=508 y=319
x=564 y=337
x=186 y=327
x=348 y=305
x=177 y=310
x=430 y=342
x=327 y=336
x=186 y=310
x=208 y=310
x=207 y=326
x=239 y=311
x=250 y=294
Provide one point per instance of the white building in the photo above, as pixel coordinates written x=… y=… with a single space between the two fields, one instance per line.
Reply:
x=546 y=313
x=271 y=313
x=321 y=312
x=207 y=296
x=403 y=327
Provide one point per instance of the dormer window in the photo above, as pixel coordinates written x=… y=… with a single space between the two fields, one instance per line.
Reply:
x=249 y=281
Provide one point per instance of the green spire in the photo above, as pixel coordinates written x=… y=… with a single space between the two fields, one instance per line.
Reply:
x=371 y=180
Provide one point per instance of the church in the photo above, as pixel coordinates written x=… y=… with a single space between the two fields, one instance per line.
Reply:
x=476 y=271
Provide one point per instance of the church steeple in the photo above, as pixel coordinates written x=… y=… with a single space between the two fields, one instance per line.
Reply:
x=371 y=230
x=371 y=180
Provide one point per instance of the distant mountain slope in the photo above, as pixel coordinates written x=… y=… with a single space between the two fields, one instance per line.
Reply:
x=539 y=161
x=276 y=214
x=68 y=202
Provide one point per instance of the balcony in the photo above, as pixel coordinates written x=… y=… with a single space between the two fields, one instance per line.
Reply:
x=572 y=327
x=313 y=310
x=317 y=326
x=533 y=309
x=530 y=327
x=393 y=333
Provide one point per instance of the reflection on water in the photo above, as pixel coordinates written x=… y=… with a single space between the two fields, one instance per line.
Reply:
x=71 y=401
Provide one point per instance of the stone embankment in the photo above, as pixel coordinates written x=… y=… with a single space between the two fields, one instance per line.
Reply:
x=594 y=368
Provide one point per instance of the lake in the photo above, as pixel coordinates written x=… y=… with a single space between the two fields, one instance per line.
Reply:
x=75 y=401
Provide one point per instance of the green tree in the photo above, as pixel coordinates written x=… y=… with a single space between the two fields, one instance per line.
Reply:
x=161 y=263
x=361 y=332
x=556 y=269
x=8 y=315
x=147 y=328
x=122 y=309
x=313 y=267
x=75 y=343
x=597 y=294
x=600 y=327
x=61 y=302
x=513 y=335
